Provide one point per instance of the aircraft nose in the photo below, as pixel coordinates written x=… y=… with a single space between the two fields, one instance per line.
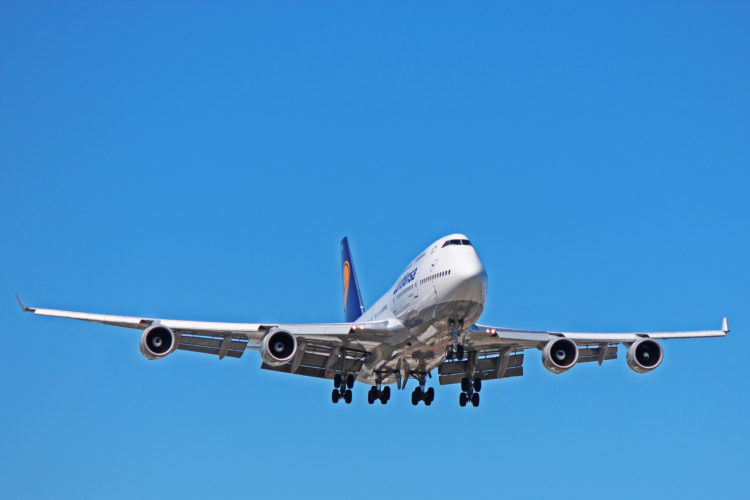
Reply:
x=471 y=277
x=470 y=266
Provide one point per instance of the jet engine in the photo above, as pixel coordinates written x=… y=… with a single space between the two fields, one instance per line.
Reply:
x=157 y=341
x=278 y=347
x=644 y=355
x=560 y=355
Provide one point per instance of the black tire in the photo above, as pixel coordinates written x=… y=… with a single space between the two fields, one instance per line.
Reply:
x=475 y=399
x=460 y=352
x=335 y=396
x=383 y=399
x=371 y=396
x=350 y=381
x=465 y=384
x=419 y=392
x=414 y=398
x=386 y=393
x=348 y=396
x=477 y=384
x=427 y=402
x=337 y=381
x=429 y=396
x=463 y=399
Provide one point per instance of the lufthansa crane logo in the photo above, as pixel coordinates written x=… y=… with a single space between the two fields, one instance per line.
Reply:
x=347 y=276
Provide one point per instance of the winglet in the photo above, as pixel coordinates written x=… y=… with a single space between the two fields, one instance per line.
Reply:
x=725 y=325
x=23 y=306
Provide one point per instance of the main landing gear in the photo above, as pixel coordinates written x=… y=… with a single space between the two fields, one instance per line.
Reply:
x=376 y=393
x=456 y=350
x=470 y=391
x=420 y=394
x=342 y=388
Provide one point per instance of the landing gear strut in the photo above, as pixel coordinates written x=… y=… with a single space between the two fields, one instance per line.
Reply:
x=456 y=349
x=342 y=388
x=422 y=394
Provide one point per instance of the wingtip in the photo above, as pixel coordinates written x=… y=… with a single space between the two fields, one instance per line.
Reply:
x=725 y=325
x=23 y=306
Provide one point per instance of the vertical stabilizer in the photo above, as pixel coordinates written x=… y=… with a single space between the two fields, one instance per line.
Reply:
x=353 y=308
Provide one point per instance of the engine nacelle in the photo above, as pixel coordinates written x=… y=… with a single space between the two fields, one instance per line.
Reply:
x=157 y=341
x=278 y=347
x=560 y=355
x=644 y=355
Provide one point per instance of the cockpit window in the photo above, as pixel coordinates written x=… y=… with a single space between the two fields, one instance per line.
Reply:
x=457 y=242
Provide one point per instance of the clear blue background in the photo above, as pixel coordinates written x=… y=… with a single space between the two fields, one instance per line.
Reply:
x=196 y=162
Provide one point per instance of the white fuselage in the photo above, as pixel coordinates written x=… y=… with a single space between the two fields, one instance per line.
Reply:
x=445 y=285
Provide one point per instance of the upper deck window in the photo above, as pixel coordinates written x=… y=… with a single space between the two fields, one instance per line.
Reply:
x=457 y=242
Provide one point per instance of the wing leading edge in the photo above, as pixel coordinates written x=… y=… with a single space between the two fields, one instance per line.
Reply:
x=532 y=338
x=339 y=340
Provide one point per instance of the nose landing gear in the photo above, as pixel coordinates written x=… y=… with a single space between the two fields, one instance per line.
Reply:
x=457 y=349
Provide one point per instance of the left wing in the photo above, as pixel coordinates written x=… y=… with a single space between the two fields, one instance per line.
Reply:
x=322 y=348
x=495 y=335
x=498 y=352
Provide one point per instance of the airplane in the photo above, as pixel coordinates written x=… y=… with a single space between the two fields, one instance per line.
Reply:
x=425 y=322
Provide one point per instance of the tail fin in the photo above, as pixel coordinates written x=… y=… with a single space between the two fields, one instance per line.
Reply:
x=353 y=308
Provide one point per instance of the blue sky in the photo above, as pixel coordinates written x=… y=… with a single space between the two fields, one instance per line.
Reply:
x=203 y=162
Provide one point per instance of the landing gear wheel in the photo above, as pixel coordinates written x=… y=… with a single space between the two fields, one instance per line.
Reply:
x=350 y=381
x=460 y=352
x=385 y=394
x=463 y=399
x=337 y=381
x=449 y=353
x=465 y=384
x=475 y=399
x=414 y=398
x=429 y=396
x=348 y=396
x=335 y=396
x=477 y=384
x=372 y=395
